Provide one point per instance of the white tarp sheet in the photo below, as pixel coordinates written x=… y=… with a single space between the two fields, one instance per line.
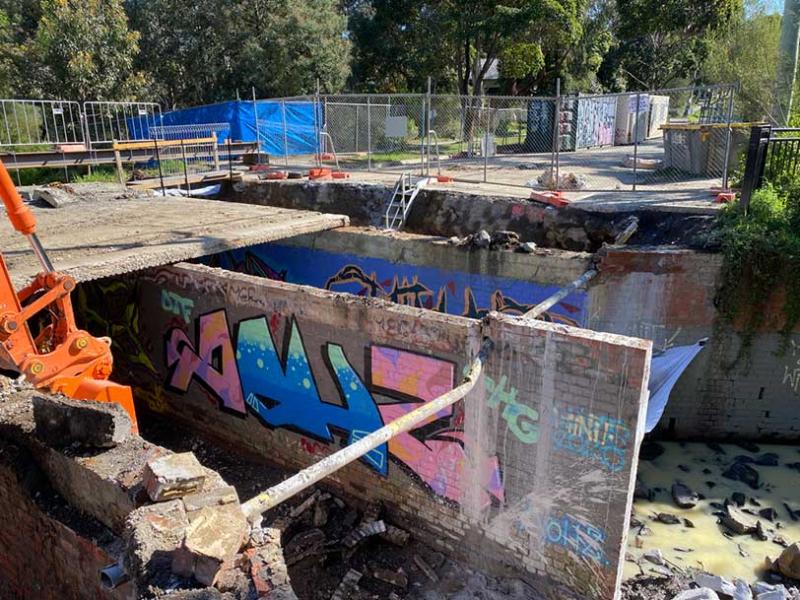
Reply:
x=665 y=370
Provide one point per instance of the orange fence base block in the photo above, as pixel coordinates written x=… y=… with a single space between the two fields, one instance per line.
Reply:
x=444 y=179
x=319 y=174
x=325 y=156
x=725 y=198
x=340 y=175
x=276 y=176
x=556 y=199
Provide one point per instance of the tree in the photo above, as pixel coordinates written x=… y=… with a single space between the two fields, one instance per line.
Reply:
x=735 y=57
x=661 y=42
x=85 y=51
x=521 y=61
x=202 y=51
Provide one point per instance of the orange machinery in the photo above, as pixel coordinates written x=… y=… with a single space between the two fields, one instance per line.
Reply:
x=60 y=358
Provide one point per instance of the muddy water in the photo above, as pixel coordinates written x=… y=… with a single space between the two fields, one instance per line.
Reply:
x=705 y=546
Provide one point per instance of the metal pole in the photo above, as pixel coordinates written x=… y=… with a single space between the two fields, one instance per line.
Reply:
x=636 y=142
x=277 y=494
x=369 y=136
x=557 y=135
x=285 y=135
x=160 y=169
x=230 y=159
x=185 y=169
x=258 y=130
x=356 y=140
x=485 y=108
x=728 y=141
x=428 y=127
x=546 y=305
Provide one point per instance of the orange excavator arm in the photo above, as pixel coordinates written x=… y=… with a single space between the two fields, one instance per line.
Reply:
x=60 y=357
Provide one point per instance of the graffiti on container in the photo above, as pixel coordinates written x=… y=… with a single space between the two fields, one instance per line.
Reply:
x=791 y=372
x=598 y=437
x=281 y=389
x=523 y=421
x=581 y=538
x=177 y=305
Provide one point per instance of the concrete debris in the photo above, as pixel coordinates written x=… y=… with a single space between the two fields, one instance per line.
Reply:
x=697 y=594
x=268 y=568
x=655 y=557
x=56 y=195
x=716 y=583
x=173 y=476
x=320 y=518
x=505 y=240
x=425 y=568
x=153 y=534
x=396 y=578
x=683 y=496
x=567 y=181
x=62 y=422
x=212 y=540
x=738 y=521
x=527 y=248
x=365 y=530
x=770 y=514
x=396 y=536
x=482 y=239
x=305 y=505
x=348 y=586
x=215 y=497
x=742 y=590
x=788 y=563
x=304 y=545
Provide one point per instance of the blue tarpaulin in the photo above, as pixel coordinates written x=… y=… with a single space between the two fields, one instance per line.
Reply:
x=300 y=131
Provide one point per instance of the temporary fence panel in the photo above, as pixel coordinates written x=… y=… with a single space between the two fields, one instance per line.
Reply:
x=28 y=124
x=107 y=122
x=191 y=131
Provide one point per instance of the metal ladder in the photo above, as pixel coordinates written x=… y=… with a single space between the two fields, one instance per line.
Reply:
x=405 y=192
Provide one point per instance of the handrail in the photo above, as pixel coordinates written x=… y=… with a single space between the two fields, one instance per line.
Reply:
x=325 y=134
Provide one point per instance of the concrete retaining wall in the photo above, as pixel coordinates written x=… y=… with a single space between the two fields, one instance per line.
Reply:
x=534 y=471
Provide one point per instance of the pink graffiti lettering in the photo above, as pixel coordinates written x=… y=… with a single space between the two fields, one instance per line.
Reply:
x=213 y=365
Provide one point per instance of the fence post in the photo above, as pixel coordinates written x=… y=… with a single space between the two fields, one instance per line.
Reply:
x=318 y=119
x=636 y=141
x=728 y=141
x=555 y=170
x=428 y=99
x=258 y=129
x=230 y=160
x=285 y=134
x=185 y=169
x=369 y=136
x=486 y=140
x=215 y=150
x=160 y=168
x=118 y=162
x=756 y=161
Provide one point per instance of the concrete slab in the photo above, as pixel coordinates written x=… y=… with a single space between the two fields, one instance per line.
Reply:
x=112 y=231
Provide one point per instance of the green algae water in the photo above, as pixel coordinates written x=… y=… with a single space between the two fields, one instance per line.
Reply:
x=705 y=546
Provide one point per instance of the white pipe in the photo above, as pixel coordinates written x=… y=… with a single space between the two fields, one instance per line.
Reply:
x=277 y=494
x=540 y=308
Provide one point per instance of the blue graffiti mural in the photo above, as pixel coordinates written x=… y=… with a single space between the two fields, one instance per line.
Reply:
x=284 y=394
x=598 y=437
x=453 y=292
x=584 y=539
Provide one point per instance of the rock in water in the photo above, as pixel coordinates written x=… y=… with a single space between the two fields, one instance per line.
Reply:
x=716 y=583
x=738 y=521
x=740 y=471
x=788 y=563
x=742 y=591
x=683 y=496
x=667 y=519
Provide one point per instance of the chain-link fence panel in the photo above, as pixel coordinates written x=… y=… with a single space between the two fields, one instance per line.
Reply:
x=395 y=133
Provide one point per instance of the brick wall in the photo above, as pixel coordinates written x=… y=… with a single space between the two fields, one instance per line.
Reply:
x=533 y=472
x=41 y=558
x=667 y=296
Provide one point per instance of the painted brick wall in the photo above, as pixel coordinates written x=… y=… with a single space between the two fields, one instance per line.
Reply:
x=534 y=471
x=40 y=557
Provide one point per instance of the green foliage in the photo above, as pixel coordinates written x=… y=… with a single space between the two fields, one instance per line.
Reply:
x=521 y=60
x=762 y=257
x=84 y=50
x=746 y=52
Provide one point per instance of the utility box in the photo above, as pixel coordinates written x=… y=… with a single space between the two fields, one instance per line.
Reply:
x=699 y=149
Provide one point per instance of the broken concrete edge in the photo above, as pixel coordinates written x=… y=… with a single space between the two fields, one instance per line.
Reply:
x=200 y=516
x=62 y=422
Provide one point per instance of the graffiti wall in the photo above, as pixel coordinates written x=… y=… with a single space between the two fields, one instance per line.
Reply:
x=534 y=468
x=452 y=292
